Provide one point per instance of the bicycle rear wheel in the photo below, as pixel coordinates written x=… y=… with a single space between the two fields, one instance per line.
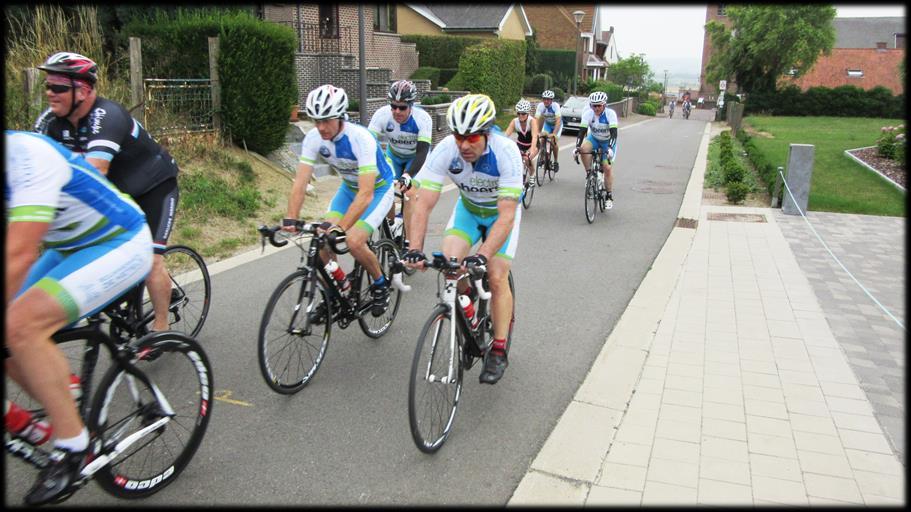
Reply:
x=375 y=326
x=191 y=290
x=432 y=397
x=528 y=195
x=124 y=405
x=591 y=192
x=289 y=355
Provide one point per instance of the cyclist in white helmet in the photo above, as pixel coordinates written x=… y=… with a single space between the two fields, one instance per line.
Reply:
x=366 y=192
x=548 y=113
x=600 y=123
x=487 y=168
x=526 y=130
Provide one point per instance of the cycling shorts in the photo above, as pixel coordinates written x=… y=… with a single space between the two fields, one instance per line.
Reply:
x=399 y=164
x=549 y=128
x=372 y=216
x=466 y=226
x=603 y=144
x=160 y=204
x=84 y=281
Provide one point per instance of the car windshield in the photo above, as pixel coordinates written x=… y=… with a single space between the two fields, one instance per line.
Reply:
x=576 y=102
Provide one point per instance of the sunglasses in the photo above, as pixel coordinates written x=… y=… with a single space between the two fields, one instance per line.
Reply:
x=473 y=138
x=594 y=106
x=57 y=88
x=400 y=107
x=523 y=113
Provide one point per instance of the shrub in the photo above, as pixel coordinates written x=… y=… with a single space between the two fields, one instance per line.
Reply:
x=442 y=51
x=436 y=100
x=733 y=171
x=647 y=109
x=541 y=82
x=457 y=83
x=556 y=62
x=428 y=73
x=891 y=141
x=491 y=68
x=353 y=105
x=559 y=94
x=614 y=91
x=736 y=191
x=446 y=74
x=844 y=101
x=767 y=171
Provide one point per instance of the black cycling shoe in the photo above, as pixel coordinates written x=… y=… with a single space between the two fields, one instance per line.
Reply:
x=495 y=364
x=58 y=480
x=556 y=166
x=380 y=295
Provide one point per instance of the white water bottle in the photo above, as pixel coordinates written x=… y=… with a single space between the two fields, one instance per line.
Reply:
x=339 y=275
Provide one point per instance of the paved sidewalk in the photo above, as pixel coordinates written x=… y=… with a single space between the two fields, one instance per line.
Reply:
x=722 y=383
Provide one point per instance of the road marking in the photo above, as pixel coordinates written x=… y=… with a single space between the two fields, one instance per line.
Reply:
x=225 y=396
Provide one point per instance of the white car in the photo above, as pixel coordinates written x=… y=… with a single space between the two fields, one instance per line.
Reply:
x=571 y=112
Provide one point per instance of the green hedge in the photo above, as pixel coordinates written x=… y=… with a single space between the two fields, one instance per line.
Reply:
x=446 y=74
x=767 y=171
x=540 y=83
x=427 y=73
x=255 y=66
x=556 y=62
x=442 y=51
x=614 y=91
x=647 y=109
x=492 y=68
x=842 y=101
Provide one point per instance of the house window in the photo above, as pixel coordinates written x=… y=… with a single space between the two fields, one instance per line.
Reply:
x=328 y=21
x=856 y=73
x=384 y=18
x=899 y=40
x=722 y=10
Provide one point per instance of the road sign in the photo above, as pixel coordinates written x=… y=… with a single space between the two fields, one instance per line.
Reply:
x=723 y=85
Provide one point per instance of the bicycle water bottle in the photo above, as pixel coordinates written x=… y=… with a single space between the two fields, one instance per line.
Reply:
x=75 y=386
x=468 y=308
x=339 y=275
x=19 y=423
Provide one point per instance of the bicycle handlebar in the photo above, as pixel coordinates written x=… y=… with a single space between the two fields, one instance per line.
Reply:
x=440 y=263
x=333 y=238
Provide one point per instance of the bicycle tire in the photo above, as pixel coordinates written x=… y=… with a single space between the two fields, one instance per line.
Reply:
x=191 y=290
x=281 y=350
x=591 y=188
x=539 y=170
x=376 y=326
x=528 y=196
x=434 y=343
x=185 y=380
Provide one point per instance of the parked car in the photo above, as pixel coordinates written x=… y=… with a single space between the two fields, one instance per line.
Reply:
x=571 y=112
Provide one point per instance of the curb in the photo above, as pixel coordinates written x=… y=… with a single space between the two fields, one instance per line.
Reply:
x=881 y=175
x=569 y=463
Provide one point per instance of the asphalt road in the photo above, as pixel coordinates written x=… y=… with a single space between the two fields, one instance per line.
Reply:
x=345 y=439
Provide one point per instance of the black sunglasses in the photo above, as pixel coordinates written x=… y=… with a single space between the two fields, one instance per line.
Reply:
x=57 y=88
x=400 y=107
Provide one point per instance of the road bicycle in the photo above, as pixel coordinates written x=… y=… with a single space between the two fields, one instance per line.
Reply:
x=297 y=322
x=545 y=163
x=686 y=111
x=528 y=182
x=395 y=232
x=447 y=348
x=149 y=414
x=671 y=113
x=595 y=193
x=191 y=290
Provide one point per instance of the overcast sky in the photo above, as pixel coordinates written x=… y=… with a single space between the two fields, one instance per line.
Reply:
x=671 y=36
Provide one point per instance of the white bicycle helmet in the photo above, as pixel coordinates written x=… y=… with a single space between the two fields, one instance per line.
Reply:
x=597 y=98
x=403 y=90
x=471 y=114
x=523 y=107
x=548 y=94
x=327 y=102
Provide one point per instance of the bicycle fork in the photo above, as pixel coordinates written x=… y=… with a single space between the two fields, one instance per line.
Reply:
x=449 y=298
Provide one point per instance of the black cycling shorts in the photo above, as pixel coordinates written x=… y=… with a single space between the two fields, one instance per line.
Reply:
x=160 y=205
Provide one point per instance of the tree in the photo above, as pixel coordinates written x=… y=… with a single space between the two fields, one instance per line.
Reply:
x=632 y=70
x=768 y=41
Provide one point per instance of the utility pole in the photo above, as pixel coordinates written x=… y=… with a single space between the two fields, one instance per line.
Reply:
x=362 y=62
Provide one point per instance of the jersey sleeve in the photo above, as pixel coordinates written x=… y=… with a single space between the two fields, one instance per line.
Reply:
x=310 y=148
x=425 y=126
x=43 y=122
x=612 y=118
x=436 y=166
x=587 y=117
x=511 y=173
x=376 y=125
x=35 y=179
x=108 y=128
x=365 y=150
x=556 y=109
x=539 y=109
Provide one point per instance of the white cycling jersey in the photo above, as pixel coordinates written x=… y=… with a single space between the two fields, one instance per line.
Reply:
x=402 y=138
x=496 y=174
x=599 y=128
x=550 y=114
x=353 y=152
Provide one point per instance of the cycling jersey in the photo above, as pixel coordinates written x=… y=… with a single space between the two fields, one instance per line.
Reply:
x=496 y=174
x=97 y=245
x=108 y=132
x=524 y=137
x=599 y=128
x=550 y=114
x=352 y=152
x=402 y=139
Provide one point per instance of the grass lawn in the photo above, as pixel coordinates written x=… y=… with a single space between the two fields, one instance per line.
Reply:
x=839 y=184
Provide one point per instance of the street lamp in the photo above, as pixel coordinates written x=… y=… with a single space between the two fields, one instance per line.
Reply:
x=577 y=15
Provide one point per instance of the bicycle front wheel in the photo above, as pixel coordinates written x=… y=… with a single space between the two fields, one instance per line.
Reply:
x=124 y=406
x=375 y=326
x=591 y=196
x=191 y=290
x=291 y=348
x=528 y=195
x=436 y=382
x=539 y=169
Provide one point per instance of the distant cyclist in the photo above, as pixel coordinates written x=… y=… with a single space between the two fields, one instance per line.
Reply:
x=601 y=124
x=118 y=146
x=365 y=194
x=526 y=130
x=548 y=113
x=487 y=168
x=406 y=131
x=74 y=243
x=671 y=105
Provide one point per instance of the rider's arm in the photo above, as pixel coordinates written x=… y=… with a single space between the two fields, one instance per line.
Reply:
x=299 y=190
x=510 y=128
x=508 y=194
x=533 y=150
x=101 y=165
x=581 y=136
x=419 y=157
x=22 y=242
x=421 y=207
x=429 y=184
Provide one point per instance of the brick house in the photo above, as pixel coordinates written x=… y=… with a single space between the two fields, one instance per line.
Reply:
x=866 y=53
x=555 y=28
x=502 y=21
x=328 y=46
